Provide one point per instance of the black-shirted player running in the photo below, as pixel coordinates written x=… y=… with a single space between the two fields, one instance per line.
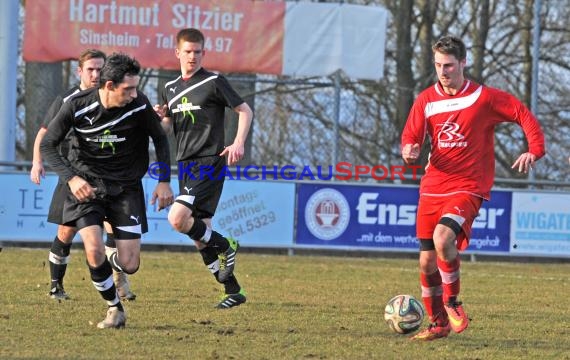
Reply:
x=90 y=63
x=193 y=105
x=110 y=128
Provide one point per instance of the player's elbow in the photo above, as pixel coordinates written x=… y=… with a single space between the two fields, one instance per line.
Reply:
x=245 y=109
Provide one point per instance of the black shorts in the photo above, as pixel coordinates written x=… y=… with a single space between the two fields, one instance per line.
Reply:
x=122 y=206
x=200 y=183
x=55 y=214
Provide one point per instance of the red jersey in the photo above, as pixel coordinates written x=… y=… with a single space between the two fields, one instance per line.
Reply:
x=462 y=132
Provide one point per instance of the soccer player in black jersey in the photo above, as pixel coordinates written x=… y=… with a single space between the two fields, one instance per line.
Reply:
x=90 y=63
x=110 y=128
x=193 y=106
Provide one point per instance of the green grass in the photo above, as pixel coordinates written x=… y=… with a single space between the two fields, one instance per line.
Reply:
x=299 y=307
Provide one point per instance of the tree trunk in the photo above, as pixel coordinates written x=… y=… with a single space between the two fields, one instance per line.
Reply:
x=426 y=37
x=479 y=35
x=527 y=43
x=404 y=55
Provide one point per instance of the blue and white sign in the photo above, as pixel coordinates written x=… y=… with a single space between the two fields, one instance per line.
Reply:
x=385 y=217
x=263 y=213
x=491 y=229
x=357 y=216
x=256 y=213
x=540 y=223
x=24 y=207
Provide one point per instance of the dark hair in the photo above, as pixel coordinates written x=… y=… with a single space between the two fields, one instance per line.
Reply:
x=117 y=66
x=190 y=35
x=90 y=54
x=450 y=45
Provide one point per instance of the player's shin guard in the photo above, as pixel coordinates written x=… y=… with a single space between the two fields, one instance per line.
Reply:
x=102 y=278
x=432 y=296
x=210 y=258
x=231 y=285
x=450 y=277
x=200 y=232
x=197 y=231
x=58 y=260
x=212 y=262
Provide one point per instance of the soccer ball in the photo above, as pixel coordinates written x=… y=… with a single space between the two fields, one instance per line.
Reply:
x=404 y=314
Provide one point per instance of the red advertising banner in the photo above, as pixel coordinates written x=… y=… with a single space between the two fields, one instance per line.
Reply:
x=241 y=35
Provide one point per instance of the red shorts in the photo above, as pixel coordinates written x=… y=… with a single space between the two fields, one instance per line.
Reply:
x=463 y=208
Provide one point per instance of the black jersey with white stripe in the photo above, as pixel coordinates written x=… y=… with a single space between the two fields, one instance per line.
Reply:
x=196 y=107
x=57 y=103
x=109 y=144
x=52 y=112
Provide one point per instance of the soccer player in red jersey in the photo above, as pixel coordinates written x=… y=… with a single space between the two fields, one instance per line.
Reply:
x=459 y=116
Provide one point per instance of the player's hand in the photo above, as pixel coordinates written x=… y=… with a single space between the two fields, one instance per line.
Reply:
x=81 y=189
x=37 y=172
x=524 y=162
x=161 y=110
x=410 y=153
x=234 y=152
x=162 y=193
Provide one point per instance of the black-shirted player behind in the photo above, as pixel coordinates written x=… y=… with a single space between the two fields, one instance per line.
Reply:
x=110 y=127
x=90 y=63
x=193 y=105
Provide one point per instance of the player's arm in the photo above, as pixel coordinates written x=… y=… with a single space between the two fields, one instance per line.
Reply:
x=152 y=122
x=163 y=193
x=54 y=135
x=166 y=124
x=236 y=150
x=163 y=112
x=165 y=119
x=535 y=139
x=38 y=170
x=410 y=153
x=413 y=134
x=512 y=109
x=56 y=132
x=525 y=162
x=161 y=146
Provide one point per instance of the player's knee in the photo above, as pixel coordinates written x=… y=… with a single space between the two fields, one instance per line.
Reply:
x=428 y=266
x=175 y=222
x=128 y=266
x=440 y=245
x=445 y=234
x=94 y=257
x=179 y=221
x=428 y=262
x=66 y=234
x=131 y=269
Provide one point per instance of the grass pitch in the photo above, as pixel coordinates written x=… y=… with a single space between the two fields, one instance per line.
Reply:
x=299 y=307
